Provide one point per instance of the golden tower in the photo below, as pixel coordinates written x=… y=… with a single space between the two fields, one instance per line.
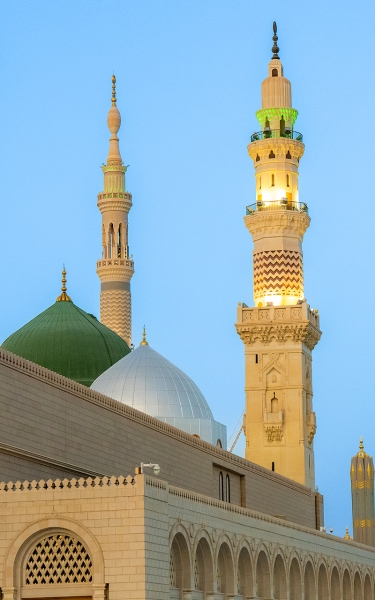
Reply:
x=116 y=268
x=280 y=333
x=362 y=483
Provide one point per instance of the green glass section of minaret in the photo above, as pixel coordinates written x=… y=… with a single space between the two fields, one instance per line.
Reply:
x=69 y=341
x=362 y=484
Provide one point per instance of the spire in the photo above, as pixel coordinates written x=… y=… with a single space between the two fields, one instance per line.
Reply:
x=113 y=90
x=114 y=124
x=144 y=342
x=64 y=296
x=275 y=47
x=347 y=535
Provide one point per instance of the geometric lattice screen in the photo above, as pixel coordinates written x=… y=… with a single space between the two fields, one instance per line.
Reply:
x=58 y=559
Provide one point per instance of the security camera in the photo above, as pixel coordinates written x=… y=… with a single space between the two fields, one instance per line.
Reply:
x=156 y=469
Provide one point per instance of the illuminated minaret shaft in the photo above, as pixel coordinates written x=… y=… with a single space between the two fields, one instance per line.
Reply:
x=116 y=268
x=281 y=331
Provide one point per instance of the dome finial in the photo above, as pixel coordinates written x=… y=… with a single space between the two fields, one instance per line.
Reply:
x=144 y=342
x=361 y=445
x=113 y=90
x=64 y=296
x=275 y=47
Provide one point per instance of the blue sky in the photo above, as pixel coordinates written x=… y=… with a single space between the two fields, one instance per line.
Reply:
x=188 y=85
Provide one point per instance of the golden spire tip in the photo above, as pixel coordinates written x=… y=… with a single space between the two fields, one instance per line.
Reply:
x=64 y=296
x=361 y=446
x=144 y=342
x=113 y=90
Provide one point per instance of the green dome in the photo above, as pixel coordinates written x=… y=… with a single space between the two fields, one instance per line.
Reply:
x=69 y=341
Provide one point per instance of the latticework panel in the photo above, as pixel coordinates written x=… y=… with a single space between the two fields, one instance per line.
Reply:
x=115 y=312
x=278 y=272
x=196 y=574
x=172 y=570
x=58 y=559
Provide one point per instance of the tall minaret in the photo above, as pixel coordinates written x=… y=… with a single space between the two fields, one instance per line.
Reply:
x=362 y=483
x=115 y=269
x=281 y=331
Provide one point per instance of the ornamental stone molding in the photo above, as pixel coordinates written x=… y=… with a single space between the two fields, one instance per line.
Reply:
x=303 y=332
x=113 y=167
x=280 y=147
x=108 y=270
x=311 y=426
x=289 y=114
x=280 y=222
x=114 y=204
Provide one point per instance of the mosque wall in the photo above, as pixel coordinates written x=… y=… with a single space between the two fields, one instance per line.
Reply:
x=52 y=426
x=140 y=538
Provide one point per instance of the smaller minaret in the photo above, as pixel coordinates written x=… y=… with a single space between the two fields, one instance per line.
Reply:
x=362 y=482
x=116 y=268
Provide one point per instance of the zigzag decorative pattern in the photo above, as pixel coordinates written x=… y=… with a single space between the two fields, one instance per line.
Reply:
x=115 y=312
x=278 y=272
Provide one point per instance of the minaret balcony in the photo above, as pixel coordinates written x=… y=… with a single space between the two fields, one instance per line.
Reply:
x=268 y=133
x=282 y=204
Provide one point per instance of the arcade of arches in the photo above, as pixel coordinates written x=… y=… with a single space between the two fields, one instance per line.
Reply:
x=202 y=570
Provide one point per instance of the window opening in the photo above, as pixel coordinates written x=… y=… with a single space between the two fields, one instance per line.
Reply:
x=287 y=180
x=221 y=486
x=119 y=242
x=282 y=126
x=271 y=154
x=288 y=155
x=274 y=73
x=260 y=183
x=273 y=466
x=256 y=359
x=257 y=158
x=272 y=180
x=274 y=404
x=227 y=488
x=58 y=559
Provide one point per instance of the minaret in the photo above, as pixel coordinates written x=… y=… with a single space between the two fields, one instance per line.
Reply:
x=116 y=268
x=362 y=483
x=280 y=333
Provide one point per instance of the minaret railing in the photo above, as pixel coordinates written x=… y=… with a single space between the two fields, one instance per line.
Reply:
x=266 y=134
x=282 y=204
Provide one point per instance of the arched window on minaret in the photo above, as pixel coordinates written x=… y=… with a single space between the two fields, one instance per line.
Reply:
x=119 y=241
x=287 y=180
x=104 y=248
x=274 y=404
x=274 y=73
x=111 y=236
x=282 y=126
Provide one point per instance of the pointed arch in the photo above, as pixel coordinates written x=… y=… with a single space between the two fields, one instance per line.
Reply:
x=309 y=581
x=335 y=584
x=279 y=579
x=245 y=584
x=357 y=588
x=225 y=568
x=295 y=585
x=180 y=575
x=203 y=563
x=263 y=576
x=367 y=588
x=322 y=583
x=346 y=586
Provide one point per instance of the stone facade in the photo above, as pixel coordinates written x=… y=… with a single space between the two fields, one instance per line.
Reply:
x=140 y=538
x=53 y=427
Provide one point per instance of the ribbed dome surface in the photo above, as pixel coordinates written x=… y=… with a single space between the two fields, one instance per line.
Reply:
x=148 y=382
x=69 y=341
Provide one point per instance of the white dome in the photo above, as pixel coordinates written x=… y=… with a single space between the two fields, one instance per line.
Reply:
x=148 y=382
